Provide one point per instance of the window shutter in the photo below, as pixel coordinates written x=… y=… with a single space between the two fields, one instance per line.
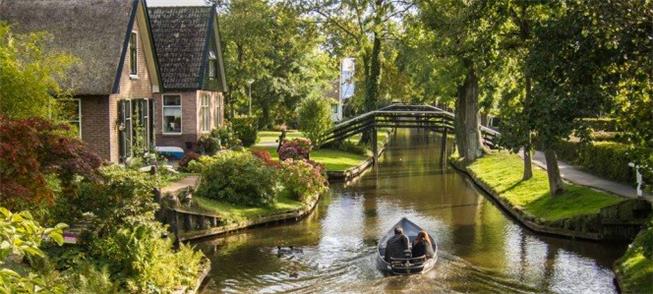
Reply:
x=121 y=130
x=150 y=124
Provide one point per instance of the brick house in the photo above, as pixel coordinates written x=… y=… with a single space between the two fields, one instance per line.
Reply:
x=116 y=77
x=187 y=42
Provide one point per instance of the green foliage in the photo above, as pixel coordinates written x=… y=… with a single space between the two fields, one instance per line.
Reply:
x=20 y=239
x=315 y=118
x=144 y=261
x=236 y=177
x=228 y=138
x=273 y=45
x=302 y=180
x=351 y=147
x=245 y=129
x=30 y=76
x=122 y=197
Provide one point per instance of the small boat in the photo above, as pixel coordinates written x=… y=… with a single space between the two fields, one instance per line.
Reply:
x=408 y=265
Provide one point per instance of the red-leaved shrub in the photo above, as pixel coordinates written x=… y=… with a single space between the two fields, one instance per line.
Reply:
x=265 y=156
x=188 y=157
x=35 y=148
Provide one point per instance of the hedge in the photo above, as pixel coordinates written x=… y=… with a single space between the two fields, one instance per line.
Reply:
x=602 y=124
x=606 y=159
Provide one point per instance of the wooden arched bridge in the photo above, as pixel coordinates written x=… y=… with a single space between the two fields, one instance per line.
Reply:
x=401 y=116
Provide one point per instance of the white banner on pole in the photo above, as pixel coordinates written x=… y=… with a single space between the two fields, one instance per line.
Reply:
x=347 y=70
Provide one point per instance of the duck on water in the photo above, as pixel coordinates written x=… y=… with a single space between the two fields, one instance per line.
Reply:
x=421 y=259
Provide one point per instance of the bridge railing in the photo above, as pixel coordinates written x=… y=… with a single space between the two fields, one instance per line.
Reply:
x=401 y=116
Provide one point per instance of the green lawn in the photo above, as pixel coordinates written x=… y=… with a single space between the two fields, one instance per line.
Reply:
x=273 y=136
x=634 y=270
x=237 y=213
x=502 y=172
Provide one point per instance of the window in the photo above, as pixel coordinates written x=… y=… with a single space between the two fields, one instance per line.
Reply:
x=72 y=112
x=133 y=55
x=172 y=114
x=205 y=113
x=212 y=65
x=218 y=112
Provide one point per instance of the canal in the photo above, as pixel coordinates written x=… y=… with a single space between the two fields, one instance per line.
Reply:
x=481 y=248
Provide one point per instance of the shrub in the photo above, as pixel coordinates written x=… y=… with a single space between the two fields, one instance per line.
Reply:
x=31 y=150
x=351 y=147
x=302 y=180
x=265 y=156
x=144 y=262
x=245 y=129
x=226 y=135
x=236 y=177
x=208 y=144
x=298 y=148
x=21 y=237
x=315 y=118
x=188 y=157
x=121 y=196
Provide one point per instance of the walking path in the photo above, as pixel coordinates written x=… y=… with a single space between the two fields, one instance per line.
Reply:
x=576 y=175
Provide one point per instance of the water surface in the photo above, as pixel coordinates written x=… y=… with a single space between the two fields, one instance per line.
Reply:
x=482 y=250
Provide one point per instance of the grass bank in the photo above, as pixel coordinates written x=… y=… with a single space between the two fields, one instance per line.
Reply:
x=634 y=270
x=233 y=213
x=502 y=172
x=333 y=160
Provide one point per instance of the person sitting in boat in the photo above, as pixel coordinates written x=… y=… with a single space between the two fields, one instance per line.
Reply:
x=397 y=246
x=422 y=245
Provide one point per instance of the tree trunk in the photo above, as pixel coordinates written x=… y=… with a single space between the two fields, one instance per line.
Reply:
x=372 y=81
x=466 y=121
x=528 y=163
x=553 y=172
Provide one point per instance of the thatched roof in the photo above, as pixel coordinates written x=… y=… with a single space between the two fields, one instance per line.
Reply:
x=180 y=37
x=92 y=30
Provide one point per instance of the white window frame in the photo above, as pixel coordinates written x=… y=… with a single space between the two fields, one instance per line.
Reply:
x=133 y=75
x=212 y=66
x=163 y=116
x=79 y=116
x=218 y=104
x=205 y=110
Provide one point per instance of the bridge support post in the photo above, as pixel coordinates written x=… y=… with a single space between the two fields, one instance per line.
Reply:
x=375 y=146
x=443 y=149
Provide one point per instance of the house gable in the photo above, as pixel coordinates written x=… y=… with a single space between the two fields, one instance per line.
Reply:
x=147 y=79
x=214 y=45
x=183 y=36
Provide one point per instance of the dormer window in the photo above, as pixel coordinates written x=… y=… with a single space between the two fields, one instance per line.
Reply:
x=133 y=55
x=213 y=65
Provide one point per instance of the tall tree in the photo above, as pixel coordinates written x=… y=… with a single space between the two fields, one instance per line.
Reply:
x=465 y=39
x=569 y=66
x=515 y=45
x=273 y=48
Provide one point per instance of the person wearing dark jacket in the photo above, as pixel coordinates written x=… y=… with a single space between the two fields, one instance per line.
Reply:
x=397 y=245
x=422 y=245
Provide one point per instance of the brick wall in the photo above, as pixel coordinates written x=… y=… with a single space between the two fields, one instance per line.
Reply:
x=95 y=124
x=190 y=107
x=189 y=120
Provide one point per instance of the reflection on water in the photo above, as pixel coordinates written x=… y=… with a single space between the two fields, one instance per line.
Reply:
x=481 y=249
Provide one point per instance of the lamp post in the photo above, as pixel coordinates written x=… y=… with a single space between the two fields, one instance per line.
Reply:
x=249 y=83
